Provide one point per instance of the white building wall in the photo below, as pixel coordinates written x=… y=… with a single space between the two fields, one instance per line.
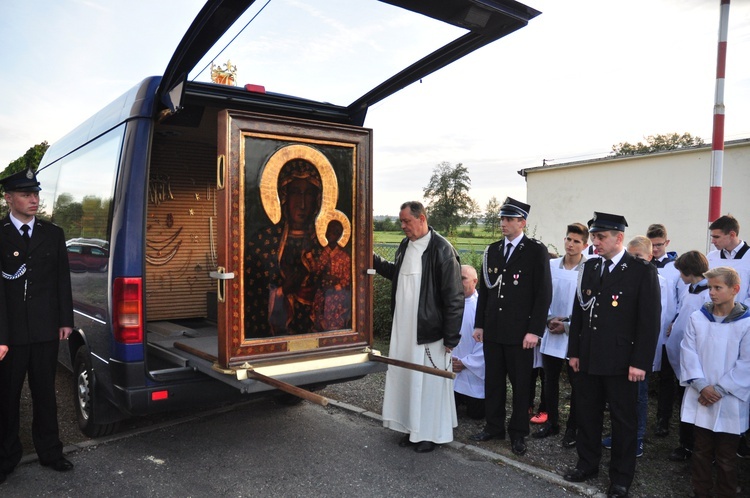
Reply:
x=670 y=188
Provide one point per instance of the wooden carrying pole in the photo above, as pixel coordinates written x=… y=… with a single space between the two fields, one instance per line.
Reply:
x=288 y=388
x=413 y=366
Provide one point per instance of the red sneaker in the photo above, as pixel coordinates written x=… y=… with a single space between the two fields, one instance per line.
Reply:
x=539 y=418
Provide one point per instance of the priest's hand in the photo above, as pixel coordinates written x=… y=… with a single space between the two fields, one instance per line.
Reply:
x=3 y=351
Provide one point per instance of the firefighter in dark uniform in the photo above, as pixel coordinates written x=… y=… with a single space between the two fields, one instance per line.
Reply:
x=613 y=332
x=515 y=290
x=36 y=281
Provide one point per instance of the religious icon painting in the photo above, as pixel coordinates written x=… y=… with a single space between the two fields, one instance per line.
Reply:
x=292 y=194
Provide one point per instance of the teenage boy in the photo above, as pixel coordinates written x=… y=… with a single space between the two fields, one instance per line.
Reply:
x=714 y=369
x=664 y=262
x=733 y=252
x=691 y=265
x=554 y=348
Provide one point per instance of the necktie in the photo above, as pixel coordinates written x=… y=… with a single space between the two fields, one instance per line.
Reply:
x=605 y=272
x=25 y=229
x=507 y=250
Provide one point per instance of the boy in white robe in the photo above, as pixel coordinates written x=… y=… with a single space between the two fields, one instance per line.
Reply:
x=691 y=265
x=554 y=347
x=468 y=356
x=715 y=366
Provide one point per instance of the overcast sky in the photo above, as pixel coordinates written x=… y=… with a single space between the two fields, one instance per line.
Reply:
x=582 y=76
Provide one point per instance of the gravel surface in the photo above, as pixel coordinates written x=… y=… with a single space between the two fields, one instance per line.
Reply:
x=656 y=476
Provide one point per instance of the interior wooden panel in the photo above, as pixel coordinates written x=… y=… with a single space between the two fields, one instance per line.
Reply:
x=181 y=213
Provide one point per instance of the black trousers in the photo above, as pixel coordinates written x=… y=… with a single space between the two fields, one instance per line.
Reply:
x=552 y=369
x=667 y=387
x=515 y=363
x=40 y=362
x=622 y=396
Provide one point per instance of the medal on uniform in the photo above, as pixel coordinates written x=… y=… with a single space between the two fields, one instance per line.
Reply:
x=15 y=253
x=515 y=279
x=614 y=300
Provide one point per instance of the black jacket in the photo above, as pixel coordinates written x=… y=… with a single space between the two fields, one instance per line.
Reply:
x=40 y=300
x=441 y=295
x=521 y=304
x=621 y=327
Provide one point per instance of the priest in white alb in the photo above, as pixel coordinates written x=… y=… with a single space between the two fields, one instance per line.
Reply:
x=427 y=301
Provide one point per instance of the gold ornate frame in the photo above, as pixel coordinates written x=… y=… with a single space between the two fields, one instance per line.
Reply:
x=253 y=149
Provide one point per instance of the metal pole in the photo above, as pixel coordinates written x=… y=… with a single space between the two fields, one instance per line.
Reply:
x=717 y=141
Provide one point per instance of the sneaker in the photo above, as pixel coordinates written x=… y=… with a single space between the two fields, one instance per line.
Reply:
x=743 y=451
x=539 y=418
x=607 y=442
x=680 y=454
x=639 y=449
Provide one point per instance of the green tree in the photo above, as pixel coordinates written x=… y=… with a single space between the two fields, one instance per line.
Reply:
x=473 y=214
x=492 y=216
x=30 y=160
x=447 y=195
x=657 y=143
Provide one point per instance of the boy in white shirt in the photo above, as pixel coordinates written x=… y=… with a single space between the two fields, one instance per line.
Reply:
x=554 y=347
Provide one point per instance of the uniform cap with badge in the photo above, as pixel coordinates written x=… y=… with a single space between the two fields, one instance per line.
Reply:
x=602 y=222
x=23 y=181
x=512 y=208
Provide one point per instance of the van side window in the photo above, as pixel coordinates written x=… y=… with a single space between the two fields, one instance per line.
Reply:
x=85 y=188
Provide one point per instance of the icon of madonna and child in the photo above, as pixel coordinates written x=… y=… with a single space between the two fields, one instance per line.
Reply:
x=298 y=271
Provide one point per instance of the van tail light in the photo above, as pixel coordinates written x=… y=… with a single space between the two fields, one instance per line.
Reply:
x=128 y=310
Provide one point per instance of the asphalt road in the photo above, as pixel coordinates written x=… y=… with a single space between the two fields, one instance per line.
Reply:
x=263 y=449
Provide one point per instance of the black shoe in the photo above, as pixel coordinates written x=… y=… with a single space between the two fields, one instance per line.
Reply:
x=578 y=475
x=547 y=430
x=569 y=439
x=2 y=477
x=424 y=447
x=518 y=446
x=617 y=491
x=404 y=441
x=680 y=454
x=60 y=465
x=662 y=428
x=486 y=436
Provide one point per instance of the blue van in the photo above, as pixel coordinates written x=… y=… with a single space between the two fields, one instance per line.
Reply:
x=220 y=235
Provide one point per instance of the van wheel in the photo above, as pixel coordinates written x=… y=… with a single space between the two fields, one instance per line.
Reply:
x=84 y=396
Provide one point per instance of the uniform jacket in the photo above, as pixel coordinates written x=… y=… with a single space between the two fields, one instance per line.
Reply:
x=519 y=303
x=39 y=301
x=441 y=295
x=621 y=327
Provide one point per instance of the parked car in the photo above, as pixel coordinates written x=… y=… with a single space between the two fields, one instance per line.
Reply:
x=88 y=255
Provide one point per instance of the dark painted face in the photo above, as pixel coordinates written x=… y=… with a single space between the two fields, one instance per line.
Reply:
x=301 y=203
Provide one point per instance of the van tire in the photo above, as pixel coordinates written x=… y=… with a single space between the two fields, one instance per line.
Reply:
x=84 y=396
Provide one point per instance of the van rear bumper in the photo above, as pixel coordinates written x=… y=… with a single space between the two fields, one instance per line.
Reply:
x=212 y=387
